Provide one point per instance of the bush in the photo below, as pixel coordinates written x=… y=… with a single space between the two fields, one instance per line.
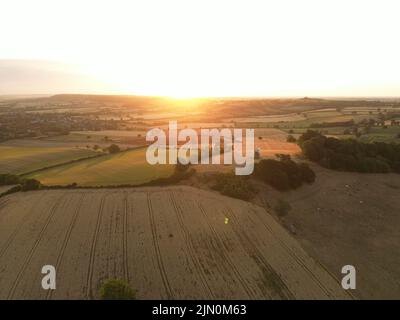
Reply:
x=306 y=172
x=114 y=148
x=284 y=174
x=234 y=186
x=30 y=184
x=115 y=289
x=290 y=138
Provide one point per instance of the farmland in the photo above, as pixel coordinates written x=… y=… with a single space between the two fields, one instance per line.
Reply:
x=18 y=160
x=172 y=242
x=166 y=242
x=128 y=167
x=348 y=218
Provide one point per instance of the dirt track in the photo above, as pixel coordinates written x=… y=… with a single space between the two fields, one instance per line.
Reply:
x=170 y=242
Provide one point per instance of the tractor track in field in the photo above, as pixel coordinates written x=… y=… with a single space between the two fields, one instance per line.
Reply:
x=16 y=230
x=125 y=239
x=66 y=239
x=3 y=203
x=33 y=249
x=158 y=251
x=189 y=245
x=89 y=278
x=279 y=285
x=226 y=257
x=297 y=259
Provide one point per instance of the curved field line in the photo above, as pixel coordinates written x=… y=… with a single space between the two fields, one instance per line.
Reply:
x=190 y=247
x=226 y=257
x=66 y=239
x=3 y=203
x=158 y=251
x=33 y=249
x=125 y=238
x=89 y=294
x=283 y=291
x=16 y=230
x=299 y=260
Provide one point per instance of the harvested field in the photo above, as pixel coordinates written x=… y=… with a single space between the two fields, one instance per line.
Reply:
x=349 y=218
x=166 y=242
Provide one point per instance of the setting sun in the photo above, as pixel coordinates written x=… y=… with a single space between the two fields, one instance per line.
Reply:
x=213 y=48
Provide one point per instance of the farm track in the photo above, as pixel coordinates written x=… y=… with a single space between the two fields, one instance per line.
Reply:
x=190 y=247
x=89 y=280
x=15 y=232
x=66 y=239
x=237 y=274
x=158 y=252
x=35 y=245
x=125 y=238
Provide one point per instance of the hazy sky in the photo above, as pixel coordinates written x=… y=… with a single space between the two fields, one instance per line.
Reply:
x=198 y=48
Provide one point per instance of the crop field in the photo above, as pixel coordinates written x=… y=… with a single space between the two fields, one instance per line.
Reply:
x=272 y=118
x=18 y=160
x=128 y=167
x=101 y=138
x=271 y=147
x=175 y=242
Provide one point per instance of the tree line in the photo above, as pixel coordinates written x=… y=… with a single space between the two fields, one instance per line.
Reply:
x=350 y=154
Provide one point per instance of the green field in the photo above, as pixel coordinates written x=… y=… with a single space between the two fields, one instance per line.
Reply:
x=380 y=134
x=19 y=160
x=129 y=167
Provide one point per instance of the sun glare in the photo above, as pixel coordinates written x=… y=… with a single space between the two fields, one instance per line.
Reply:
x=215 y=48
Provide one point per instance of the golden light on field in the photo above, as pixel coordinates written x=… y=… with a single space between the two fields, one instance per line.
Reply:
x=184 y=48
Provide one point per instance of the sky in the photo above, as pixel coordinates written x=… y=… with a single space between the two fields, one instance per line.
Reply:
x=198 y=48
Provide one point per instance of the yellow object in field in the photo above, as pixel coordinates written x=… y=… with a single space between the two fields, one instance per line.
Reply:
x=226 y=220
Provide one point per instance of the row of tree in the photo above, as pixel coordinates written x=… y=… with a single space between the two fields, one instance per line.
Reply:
x=350 y=154
x=22 y=184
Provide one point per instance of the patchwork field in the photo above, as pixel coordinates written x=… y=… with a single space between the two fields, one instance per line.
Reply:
x=128 y=167
x=176 y=242
x=18 y=160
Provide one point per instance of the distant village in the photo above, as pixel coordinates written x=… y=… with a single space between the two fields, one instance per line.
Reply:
x=17 y=125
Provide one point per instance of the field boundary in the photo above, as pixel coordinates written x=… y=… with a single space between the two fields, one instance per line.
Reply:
x=103 y=154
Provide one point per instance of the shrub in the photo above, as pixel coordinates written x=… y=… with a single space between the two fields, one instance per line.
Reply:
x=306 y=172
x=115 y=289
x=114 y=148
x=234 y=186
x=290 y=138
x=30 y=184
x=284 y=174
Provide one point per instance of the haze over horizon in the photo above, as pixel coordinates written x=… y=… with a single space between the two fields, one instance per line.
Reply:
x=199 y=49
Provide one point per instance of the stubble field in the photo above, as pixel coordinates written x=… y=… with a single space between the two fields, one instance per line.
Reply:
x=175 y=242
